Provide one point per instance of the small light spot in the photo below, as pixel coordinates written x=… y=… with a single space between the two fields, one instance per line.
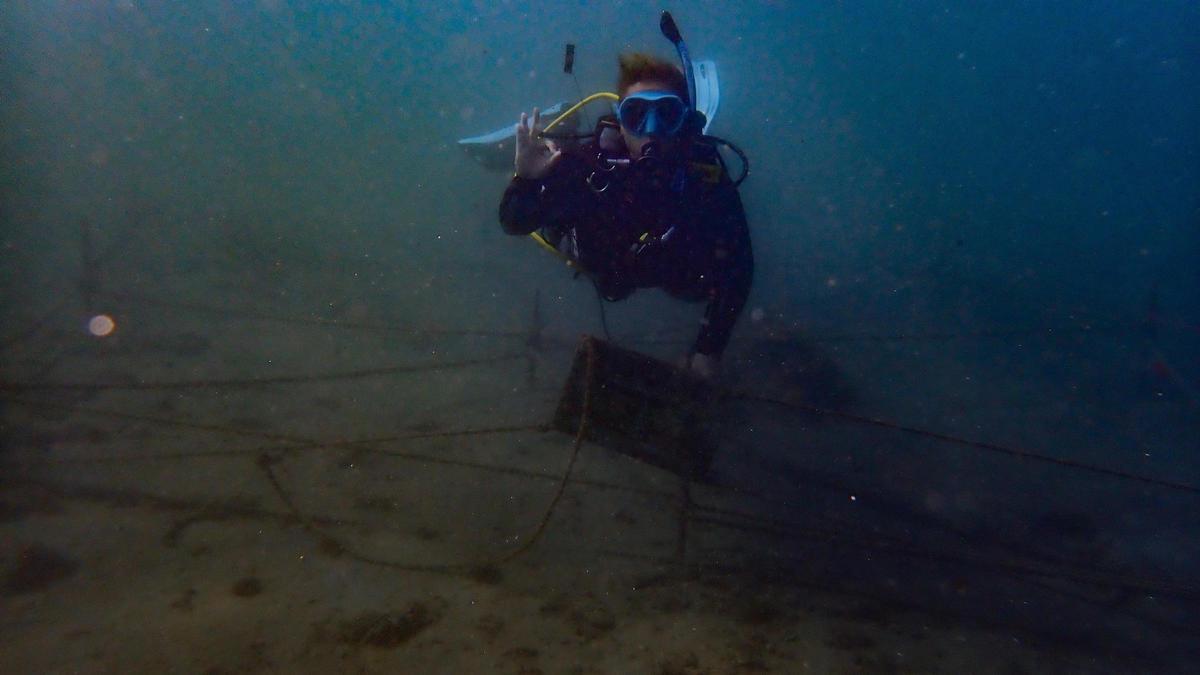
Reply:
x=101 y=325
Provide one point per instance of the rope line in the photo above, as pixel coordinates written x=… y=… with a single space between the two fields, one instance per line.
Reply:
x=965 y=442
x=707 y=515
x=294 y=444
x=253 y=381
x=1075 y=574
x=266 y=461
x=485 y=569
x=584 y=413
x=310 y=321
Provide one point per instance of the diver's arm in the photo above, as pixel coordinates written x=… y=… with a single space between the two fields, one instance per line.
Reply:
x=529 y=205
x=522 y=209
x=556 y=200
x=724 y=307
x=731 y=285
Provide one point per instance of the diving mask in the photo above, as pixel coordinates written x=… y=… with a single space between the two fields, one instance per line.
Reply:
x=652 y=113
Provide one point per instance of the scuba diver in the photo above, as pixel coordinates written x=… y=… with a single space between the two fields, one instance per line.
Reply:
x=645 y=201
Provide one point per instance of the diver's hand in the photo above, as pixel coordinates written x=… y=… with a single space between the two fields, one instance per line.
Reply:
x=535 y=156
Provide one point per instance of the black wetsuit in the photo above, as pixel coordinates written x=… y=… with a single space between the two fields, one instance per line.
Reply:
x=687 y=235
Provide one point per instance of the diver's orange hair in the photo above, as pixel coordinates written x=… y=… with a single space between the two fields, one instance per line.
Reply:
x=642 y=67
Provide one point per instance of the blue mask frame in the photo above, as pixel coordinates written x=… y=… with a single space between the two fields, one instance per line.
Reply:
x=655 y=114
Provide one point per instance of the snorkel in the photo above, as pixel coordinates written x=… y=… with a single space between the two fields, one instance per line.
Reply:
x=660 y=126
x=611 y=153
x=698 y=121
x=671 y=31
x=694 y=120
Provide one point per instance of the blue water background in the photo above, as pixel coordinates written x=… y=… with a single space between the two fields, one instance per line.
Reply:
x=917 y=168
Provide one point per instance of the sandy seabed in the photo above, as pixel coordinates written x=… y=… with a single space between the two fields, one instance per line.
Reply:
x=219 y=488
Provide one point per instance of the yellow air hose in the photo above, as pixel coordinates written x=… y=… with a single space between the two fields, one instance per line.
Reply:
x=570 y=111
x=575 y=108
